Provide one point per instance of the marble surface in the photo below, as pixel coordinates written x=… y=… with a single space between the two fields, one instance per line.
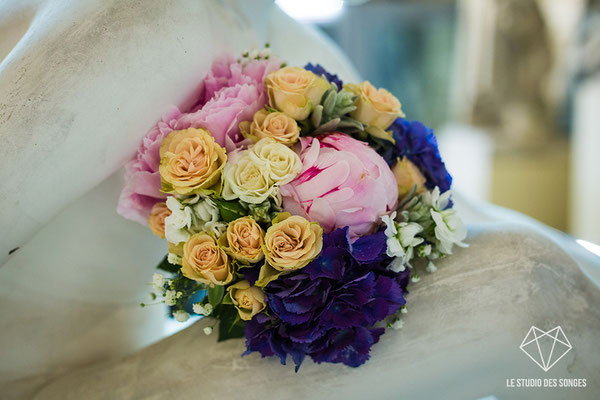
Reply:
x=460 y=340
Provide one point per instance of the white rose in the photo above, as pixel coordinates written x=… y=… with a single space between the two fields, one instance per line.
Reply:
x=449 y=229
x=245 y=179
x=282 y=162
x=178 y=222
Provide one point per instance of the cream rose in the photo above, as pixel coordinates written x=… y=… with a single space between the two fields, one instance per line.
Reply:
x=243 y=240
x=275 y=125
x=249 y=300
x=408 y=175
x=377 y=108
x=205 y=262
x=281 y=162
x=244 y=179
x=295 y=91
x=190 y=162
x=156 y=220
x=291 y=242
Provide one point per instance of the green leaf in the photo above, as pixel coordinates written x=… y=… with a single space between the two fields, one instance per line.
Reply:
x=165 y=265
x=230 y=210
x=227 y=299
x=230 y=324
x=215 y=295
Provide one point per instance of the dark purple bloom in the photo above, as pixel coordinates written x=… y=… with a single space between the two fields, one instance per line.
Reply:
x=348 y=346
x=319 y=70
x=417 y=142
x=327 y=309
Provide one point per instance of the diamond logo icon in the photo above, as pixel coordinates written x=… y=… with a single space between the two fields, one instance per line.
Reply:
x=546 y=348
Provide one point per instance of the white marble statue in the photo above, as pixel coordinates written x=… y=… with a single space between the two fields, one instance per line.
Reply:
x=83 y=83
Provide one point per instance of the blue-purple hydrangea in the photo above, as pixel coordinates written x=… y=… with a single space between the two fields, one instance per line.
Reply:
x=319 y=70
x=327 y=310
x=417 y=142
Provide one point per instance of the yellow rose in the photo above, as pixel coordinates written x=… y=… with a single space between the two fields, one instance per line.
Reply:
x=275 y=125
x=408 y=175
x=290 y=244
x=243 y=240
x=281 y=162
x=295 y=91
x=377 y=108
x=244 y=179
x=156 y=220
x=190 y=162
x=205 y=262
x=249 y=300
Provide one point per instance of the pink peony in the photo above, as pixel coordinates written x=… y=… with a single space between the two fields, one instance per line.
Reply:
x=226 y=72
x=343 y=182
x=142 y=180
x=222 y=115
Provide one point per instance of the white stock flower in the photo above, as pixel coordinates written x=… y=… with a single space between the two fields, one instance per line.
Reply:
x=397 y=265
x=390 y=225
x=203 y=309
x=407 y=232
x=281 y=162
x=208 y=217
x=449 y=230
x=401 y=240
x=178 y=222
x=434 y=200
x=181 y=316
x=245 y=179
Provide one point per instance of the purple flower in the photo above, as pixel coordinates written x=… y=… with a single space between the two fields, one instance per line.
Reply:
x=319 y=70
x=327 y=309
x=418 y=143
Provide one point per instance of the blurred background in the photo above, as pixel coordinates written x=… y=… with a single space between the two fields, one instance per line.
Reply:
x=512 y=88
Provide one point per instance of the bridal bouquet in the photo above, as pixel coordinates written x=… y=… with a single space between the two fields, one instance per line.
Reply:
x=294 y=207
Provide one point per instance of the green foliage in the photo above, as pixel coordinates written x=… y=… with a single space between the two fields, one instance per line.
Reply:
x=165 y=265
x=215 y=295
x=230 y=324
x=332 y=114
x=230 y=210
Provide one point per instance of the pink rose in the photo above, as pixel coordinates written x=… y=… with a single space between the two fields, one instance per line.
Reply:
x=142 y=180
x=222 y=115
x=227 y=72
x=343 y=182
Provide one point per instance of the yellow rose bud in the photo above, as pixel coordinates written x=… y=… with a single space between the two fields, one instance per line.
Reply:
x=408 y=175
x=275 y=125
x=156 y=220
x=243 y=240
x=205 y=262
x=295 y=91
x=377 y=108
x=249 y=300
x=290 y=244
x=190 y=162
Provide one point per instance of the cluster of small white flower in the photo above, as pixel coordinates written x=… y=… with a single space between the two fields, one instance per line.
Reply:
x=425 y=228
